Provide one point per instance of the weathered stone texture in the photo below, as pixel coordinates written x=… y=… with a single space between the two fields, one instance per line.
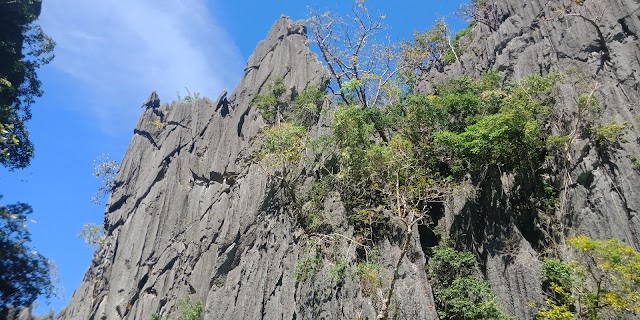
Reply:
x=596 y=48
x=192 y=217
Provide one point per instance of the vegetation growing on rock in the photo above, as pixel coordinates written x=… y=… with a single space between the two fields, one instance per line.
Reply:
x=604 y=282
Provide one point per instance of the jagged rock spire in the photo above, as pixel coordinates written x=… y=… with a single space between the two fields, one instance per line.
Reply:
x=153 y=101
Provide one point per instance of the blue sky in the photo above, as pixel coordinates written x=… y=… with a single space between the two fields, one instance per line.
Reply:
x=111 y=54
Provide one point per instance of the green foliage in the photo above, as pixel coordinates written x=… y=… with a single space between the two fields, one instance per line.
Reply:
x=376 y=175
x=447 y=264
x=339 y=270
x=190 y=310
x=156 y=316
x=350 y=88
x=558 y=142
x=352 y=128
x=303 y=111
x=187 y=310
x=557 y=271
x=271 y=104
x=635 y=162
x=16 y=148
x=458 y=292
x=312 y=211
x=307 y=106
x=428 y=48
x=604 y=284
x=306 y=267
x=559 y=280
x=281 y=146
x=498 y=128
x=92 y=234
x=368 y=273
x=264 y=102
x=469 y=127
x=468 y=298
x=616 y=271
x=158 y=124
x=609 y=136
x=25 y=274
x=24 y=47
x=589 y=104
x=459 y=48
x=191 y=96
x=105 y=170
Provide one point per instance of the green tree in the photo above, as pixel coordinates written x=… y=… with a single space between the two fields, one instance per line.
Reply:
x=429 y=48
x=190 y=310
x=24 y=273
x=603 y=283
x=384 y=181
x=187 y=310
x=307 y=106
x=24 y=47
x=281 y=146
x=459 y=293
x=469 y=127
x=271 y=104
x=92 y=234
x=275 y=106
x=105 y=170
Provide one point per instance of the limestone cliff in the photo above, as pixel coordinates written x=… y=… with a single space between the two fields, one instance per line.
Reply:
x=595 y=47
x=191 y=216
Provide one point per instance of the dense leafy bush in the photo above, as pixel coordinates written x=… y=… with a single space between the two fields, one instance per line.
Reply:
x=603 y=283
x=459 y=293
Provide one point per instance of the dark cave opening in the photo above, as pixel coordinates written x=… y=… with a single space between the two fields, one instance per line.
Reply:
x=428 y=237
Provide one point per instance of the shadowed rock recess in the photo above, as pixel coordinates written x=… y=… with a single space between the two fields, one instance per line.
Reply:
x=192 y=217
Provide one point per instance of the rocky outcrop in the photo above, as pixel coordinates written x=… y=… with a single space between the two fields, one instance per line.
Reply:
x=26 y=314
x=190 y=216
x=595 y=47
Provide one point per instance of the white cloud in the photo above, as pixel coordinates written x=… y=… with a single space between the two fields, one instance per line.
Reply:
x=119 y=51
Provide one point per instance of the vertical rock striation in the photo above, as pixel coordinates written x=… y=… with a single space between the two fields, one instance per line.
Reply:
x=192 y=217
x=595 y=47
x=187 y=217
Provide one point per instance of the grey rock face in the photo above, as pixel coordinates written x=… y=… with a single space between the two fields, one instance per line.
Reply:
x=596 y=48
x=191 y=217
x=26 y=314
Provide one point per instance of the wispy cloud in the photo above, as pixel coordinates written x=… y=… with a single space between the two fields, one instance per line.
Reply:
x=119 y=51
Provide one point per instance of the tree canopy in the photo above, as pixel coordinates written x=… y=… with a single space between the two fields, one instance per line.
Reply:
x=24 y=47
x=24 y=273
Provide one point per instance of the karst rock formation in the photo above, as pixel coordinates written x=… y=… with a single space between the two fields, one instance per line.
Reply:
x=192 y=215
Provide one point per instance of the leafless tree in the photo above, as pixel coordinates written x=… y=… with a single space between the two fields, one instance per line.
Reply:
x=482 y=11
x=360 y=58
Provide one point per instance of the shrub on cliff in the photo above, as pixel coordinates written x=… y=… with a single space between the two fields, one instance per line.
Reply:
x=604 y=282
